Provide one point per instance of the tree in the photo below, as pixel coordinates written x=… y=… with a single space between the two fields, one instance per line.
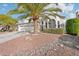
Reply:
x=35 y=11
x=7 y=21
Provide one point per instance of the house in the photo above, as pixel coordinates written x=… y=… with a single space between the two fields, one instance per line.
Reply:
x=23 y=25
x=53 y=22
x=77 y=14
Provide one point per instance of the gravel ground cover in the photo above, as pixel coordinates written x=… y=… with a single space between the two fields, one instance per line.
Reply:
x=37 y=45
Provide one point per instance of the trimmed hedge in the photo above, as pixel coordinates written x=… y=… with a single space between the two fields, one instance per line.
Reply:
x=54 y=31
x=72 y=26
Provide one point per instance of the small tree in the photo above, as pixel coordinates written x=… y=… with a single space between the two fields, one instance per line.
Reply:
x=7 y=21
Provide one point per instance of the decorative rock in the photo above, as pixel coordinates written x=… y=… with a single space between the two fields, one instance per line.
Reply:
x=55 y=49
x=77 y=46
x=61 y=45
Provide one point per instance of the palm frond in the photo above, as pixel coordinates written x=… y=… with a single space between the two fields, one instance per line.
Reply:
x=4 y=19
x=14 y=12
x=60 y=16
x=45 y=17
x=53 y=9
x=24 y=16
x=54 y=14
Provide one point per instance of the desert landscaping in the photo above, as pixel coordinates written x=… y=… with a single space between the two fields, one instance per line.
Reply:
x=39 y=29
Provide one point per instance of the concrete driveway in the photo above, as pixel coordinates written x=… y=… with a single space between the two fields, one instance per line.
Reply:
x=10 y=36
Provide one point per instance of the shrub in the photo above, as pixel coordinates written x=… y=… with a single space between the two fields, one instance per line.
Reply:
x=54 y=31
x=72 y=26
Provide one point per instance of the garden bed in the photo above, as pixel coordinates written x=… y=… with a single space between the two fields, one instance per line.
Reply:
x=54 y=31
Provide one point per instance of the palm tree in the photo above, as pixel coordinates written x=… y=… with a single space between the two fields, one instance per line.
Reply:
x=7 y=21
x=35 y=11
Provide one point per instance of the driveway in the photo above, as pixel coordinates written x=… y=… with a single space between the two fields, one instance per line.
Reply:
x=9 y=36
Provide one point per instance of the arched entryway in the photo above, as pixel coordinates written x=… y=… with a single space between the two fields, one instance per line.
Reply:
x=52 y=23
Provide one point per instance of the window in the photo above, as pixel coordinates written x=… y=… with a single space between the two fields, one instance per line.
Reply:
x=58 y=24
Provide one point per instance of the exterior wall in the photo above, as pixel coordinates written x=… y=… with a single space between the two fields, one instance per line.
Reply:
x=61 y=22
x=23 y=25
x=53 y=23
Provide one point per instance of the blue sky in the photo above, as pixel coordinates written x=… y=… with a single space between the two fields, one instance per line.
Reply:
x=68 y=9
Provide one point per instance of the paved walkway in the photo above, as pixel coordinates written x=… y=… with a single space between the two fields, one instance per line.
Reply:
x=10 y=36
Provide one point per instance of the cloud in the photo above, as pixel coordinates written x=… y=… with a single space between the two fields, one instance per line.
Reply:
x=62 y=6
x=5 y=5
x=50 y=6
x=72 y=15
x=68 y=9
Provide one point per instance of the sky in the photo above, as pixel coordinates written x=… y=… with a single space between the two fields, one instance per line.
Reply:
x=69 y=10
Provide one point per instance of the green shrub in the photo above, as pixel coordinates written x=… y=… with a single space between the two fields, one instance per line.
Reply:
x=54 y=31
x=72 y=26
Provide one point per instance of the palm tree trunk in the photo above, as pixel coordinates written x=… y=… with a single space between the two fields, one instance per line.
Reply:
x=36 y=26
